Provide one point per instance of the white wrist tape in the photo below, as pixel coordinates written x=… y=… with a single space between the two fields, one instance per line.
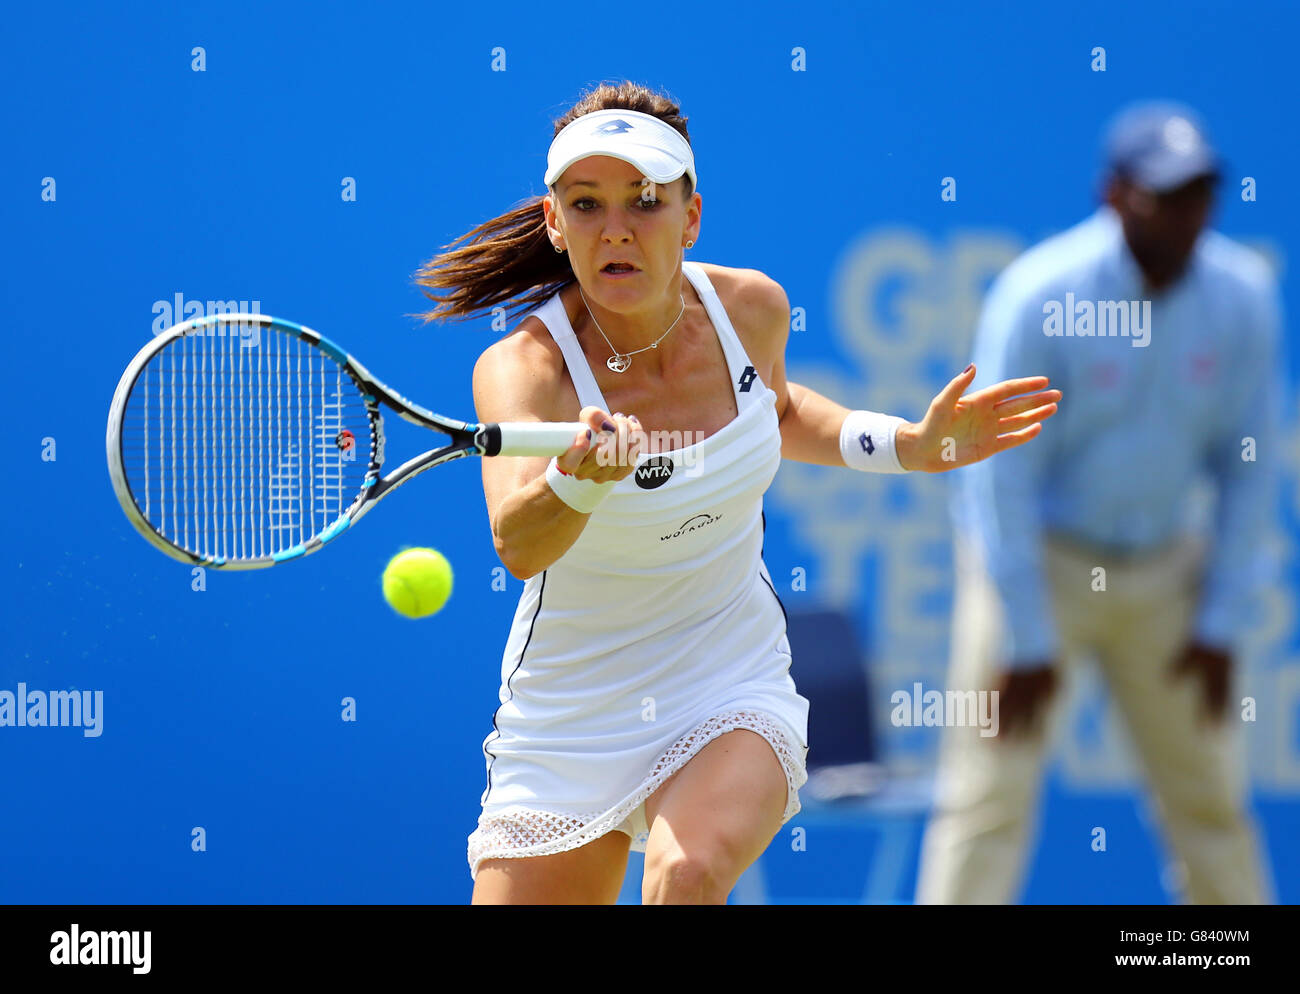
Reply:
x=581 y=495
x=867 y=442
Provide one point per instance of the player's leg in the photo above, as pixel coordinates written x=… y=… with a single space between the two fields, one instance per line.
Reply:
x=984 y=822
x=712 y=819
x=590 y=874
x=1195 y=769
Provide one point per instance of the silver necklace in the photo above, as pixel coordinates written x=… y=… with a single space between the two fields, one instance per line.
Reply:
x=619 y=361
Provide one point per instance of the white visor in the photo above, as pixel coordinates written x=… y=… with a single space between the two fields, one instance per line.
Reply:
x=656 y=148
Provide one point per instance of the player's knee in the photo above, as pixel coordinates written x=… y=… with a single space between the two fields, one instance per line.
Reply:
x=686 y=875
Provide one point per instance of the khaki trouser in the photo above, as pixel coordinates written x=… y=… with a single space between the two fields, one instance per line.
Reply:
x=985 y=816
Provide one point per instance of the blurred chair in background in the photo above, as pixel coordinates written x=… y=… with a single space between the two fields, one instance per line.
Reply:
x=828 y=668
x=861 y=827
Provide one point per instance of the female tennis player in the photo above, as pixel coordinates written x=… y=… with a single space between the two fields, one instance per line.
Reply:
x=646 y=699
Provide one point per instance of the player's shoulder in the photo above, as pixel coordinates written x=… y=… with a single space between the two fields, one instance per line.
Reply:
x=523 y=368
x=744 y=287
x=755 y=302
x=528 y=347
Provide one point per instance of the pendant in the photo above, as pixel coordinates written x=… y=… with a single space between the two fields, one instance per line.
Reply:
x=618 y=363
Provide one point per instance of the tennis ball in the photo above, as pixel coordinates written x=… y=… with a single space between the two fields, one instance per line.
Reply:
x=417 y=582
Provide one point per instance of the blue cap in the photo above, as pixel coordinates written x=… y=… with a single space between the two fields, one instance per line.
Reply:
x=1160 y=146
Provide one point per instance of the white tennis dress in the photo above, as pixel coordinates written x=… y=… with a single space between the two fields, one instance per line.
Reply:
x=657 y=631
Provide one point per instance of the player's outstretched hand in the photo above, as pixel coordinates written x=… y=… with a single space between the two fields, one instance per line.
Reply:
x=959 y=430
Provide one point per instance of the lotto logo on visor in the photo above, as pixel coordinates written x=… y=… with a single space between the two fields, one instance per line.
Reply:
x=653 y=146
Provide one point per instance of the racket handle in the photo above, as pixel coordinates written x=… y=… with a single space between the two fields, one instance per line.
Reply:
x=536 y=438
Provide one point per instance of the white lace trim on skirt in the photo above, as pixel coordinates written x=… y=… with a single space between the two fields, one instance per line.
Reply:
x=519 y=831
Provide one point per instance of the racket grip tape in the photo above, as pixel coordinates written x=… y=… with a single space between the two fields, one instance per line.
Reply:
x=531 y=438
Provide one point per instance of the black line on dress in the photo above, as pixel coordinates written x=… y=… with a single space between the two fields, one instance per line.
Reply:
x=510 y=690
x=763 y=515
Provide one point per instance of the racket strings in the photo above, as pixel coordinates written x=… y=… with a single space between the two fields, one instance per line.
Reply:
x=241 y=442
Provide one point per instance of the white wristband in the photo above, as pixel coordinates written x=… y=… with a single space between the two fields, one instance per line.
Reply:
x=581 y=495
x=867 y=442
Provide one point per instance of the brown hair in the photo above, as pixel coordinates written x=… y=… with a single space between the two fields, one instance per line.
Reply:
x=511 y=253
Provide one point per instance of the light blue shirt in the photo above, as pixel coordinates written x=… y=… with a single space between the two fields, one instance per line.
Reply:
x=1138 y=424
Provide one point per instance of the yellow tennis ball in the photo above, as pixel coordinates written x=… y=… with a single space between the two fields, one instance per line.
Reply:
x=417 y=582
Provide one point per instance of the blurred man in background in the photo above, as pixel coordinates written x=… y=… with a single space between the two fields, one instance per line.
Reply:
x=1163 y=338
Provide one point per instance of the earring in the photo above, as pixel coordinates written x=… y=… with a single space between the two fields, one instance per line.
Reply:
x=690 y=243
x=560 y=250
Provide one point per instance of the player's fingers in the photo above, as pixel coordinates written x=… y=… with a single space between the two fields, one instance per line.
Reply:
x=602 y=461
x=596 y=419
x=615 y=447
x=637 y=441
x=950 y=394
x=1035 y=416
x=1012 y=439
x=1018 y=405
x=627 y=437
x=1009 y=388
x=612 y=444
x=572 y=457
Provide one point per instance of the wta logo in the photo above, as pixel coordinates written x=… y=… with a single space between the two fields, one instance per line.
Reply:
x=654 y=472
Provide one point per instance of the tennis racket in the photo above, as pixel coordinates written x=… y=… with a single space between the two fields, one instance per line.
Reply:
x=238 y=441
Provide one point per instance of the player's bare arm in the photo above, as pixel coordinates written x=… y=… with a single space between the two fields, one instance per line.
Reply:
x=522 y=378
x=957 y=429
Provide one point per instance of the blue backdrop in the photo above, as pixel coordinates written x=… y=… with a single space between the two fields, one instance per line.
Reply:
x=204 y=152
